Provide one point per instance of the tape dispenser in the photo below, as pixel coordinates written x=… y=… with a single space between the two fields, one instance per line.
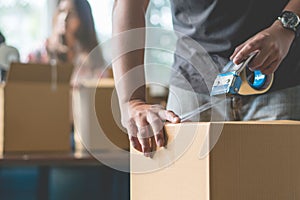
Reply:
x=238 y=79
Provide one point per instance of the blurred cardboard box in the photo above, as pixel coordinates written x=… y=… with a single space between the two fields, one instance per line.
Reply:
x=97 y=117
x=247 y=161
x=35 y=108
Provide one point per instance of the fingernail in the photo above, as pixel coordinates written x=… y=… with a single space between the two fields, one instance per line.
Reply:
x=236 y=60
x=175 y=119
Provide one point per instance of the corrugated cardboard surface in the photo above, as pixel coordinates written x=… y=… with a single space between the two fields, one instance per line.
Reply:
x=36 y=109
x=250 y=161
x=256 y=162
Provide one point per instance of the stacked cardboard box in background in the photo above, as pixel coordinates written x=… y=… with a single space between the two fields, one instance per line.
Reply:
x=97 y=117
x=35 y=108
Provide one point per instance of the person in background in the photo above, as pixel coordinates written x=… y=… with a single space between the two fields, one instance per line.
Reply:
x=8 y=54
x=2 y=38
x=72 y=40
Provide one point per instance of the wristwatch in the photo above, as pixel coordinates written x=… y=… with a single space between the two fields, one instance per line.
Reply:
x=290 y=21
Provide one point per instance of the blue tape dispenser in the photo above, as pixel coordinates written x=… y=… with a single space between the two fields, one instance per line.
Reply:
x=238 y=79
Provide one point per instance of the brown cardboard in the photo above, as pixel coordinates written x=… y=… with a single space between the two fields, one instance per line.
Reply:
x=250 y=161
x=107 y=101
x=93 y=103
x=37 y=108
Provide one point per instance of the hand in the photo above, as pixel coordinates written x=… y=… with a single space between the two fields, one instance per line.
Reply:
x=144 y=124
x=54 y=45
x=272 y=45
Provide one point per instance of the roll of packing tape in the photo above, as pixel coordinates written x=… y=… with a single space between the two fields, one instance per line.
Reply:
x=253 y=82
x=256 y=86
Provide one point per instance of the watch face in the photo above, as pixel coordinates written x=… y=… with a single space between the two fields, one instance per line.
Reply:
x=290 y=19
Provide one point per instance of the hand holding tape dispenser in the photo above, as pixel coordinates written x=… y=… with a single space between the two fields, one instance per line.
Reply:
x=236 y=80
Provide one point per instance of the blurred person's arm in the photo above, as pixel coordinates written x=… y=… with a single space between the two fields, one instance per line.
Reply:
x=144 y=122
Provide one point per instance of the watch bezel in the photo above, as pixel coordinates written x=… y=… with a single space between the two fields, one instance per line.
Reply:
x=283 y=19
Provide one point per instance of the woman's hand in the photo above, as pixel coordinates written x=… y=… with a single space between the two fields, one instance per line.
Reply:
x=272 y=45
x=144 y=124
x=54 y=45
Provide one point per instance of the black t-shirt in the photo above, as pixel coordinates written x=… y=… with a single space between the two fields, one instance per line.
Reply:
x=219 y=26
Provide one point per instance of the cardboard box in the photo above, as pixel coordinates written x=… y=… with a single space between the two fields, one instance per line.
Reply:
x=97 y=117
x=250 y=161
x=35 y=110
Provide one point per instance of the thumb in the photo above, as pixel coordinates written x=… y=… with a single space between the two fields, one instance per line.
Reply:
x=170 y=116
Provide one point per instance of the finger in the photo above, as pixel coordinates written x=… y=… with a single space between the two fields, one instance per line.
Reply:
x=267 y=63
x=132 y=129
x=259 y=59
x=245 y=51
x=165 y=114
x=160 y=138
x=135 y=143
x=144 y=132
x=272 y=68
x=157 y=126
x=153 y=146
x=156 y=107
x=143 y=138
x=168 y=115
x=237 y=49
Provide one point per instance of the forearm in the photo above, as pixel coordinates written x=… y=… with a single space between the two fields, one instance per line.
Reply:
x=128 y=48
x=272 y=44
x=294 y=6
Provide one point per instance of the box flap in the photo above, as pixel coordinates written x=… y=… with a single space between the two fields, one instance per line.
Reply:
x=21 y=72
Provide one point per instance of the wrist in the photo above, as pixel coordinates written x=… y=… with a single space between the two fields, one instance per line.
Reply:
x=290 y=20
x=135 y=102
x=277 y=25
